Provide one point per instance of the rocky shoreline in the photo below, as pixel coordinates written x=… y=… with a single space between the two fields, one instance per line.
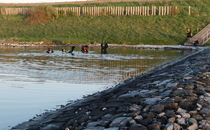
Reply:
x=175 y=96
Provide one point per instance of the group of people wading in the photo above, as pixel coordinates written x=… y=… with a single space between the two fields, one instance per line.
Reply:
x=84 y=49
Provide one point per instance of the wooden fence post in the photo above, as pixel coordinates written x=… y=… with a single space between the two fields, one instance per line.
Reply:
x=159 y=10
x=98 y=11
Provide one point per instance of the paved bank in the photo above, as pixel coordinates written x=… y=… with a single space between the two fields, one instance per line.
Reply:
x=173 y=97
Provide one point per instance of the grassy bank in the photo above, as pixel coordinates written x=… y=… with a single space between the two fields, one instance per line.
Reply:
x=167 y=30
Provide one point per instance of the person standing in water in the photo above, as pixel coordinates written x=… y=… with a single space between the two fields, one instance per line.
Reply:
x=104 y=46
x=72 y=49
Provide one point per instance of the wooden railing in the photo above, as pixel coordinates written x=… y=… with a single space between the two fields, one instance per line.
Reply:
x=205 y=37
x=202 y=36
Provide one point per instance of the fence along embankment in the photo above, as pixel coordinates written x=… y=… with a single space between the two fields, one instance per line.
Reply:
x=100 y=11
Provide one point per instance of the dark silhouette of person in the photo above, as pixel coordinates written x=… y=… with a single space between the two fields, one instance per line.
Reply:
x=189 y=33
x=85 y=49
x=104 y=46
x=49 y=50
x=72 y=49
x=196 y=42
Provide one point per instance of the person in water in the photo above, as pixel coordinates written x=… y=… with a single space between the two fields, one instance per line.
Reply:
x=85 y=49
x=104 y=46
x=49 y=50
x=72 y=49
x=63 y=51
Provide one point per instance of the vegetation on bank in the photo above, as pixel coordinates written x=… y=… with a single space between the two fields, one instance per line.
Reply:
x=41 y=14
x=156 y=30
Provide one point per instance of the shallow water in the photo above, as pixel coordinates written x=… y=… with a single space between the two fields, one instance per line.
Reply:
x=32 y=81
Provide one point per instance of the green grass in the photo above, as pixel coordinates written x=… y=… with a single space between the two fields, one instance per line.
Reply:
x=155 y=30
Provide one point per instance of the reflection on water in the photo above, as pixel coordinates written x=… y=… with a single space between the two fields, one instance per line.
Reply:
x=32 y=80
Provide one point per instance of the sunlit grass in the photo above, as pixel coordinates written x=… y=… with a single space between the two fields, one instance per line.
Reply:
x=167 y=30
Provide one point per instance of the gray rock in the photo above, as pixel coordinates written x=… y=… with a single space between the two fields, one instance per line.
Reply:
x=138 y=118
x=171 y=120
x=188 y=105
x=207 y=99
x=185 y=115
x=120 y=121
x=152 y=101
x=154 y=126
x=194 y=126
x=172 y=126
x=181 y=121
x=135 y=107
x=191 y=121
x=205 y=111
x=151 y=115
x=137 y=127
x=107 y=116
x=170 y=113
x=51 y=127
x=112 y=128
x=146 y=108
x=204 y=124
x=170 y=104
x=132 y=114
x=161 y=114
x=206 y=95
x=146 y=121
x=157 y=108
x=169 y=85
x=189 y=86
x=166 y=93
x=197 y=117
x=180 y=110
x=92 y=124
x=132 y=121
x=95 y=128
x=164 y=82
x=128 y=95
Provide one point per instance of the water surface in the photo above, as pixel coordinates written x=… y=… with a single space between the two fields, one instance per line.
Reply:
x=32 y=81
